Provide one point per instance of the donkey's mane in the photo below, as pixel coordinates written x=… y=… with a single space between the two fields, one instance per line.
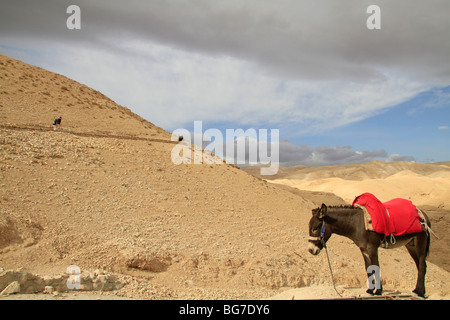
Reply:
x=341 y=210
x=342 y=206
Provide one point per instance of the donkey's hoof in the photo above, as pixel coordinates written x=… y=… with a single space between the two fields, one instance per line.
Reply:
x=377 y=292
x=371 y=291
x=420 y=293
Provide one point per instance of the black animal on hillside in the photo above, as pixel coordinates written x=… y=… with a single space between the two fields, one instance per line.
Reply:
x=57 y=123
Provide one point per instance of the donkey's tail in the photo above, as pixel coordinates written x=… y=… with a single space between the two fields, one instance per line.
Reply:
x=427 y=251
x=426 y=225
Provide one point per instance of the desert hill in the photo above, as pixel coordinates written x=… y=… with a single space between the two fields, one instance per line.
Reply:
x=32 y=97
x=424 y=184
x=369 y=170
x=101 y=192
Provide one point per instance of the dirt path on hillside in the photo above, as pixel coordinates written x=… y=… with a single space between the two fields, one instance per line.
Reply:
x=85 y=134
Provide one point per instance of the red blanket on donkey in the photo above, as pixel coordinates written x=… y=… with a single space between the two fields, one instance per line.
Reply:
x=397 y=216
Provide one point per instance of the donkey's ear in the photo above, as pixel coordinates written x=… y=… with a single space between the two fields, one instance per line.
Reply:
x=322 y=212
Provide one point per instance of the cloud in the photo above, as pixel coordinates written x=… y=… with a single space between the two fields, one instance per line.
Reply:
x=325 y=155
x=443 y=127
x=291 y=154
x=397 y=157
x=438 y=98
x=172 y=88
x=253 y=145
x=289 y=38
x=295 y=39
x=346 y=154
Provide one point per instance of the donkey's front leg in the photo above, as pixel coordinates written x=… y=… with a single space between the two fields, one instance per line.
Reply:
x=370 y=255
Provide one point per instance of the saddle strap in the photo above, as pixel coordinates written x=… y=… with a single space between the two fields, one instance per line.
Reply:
x=392 y=239
x=424 y=224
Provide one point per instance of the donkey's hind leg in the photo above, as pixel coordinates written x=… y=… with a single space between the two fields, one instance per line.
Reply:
x=418 y=249
x=412 y=251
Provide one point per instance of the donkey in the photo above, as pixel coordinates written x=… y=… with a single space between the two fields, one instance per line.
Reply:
x=348 y=221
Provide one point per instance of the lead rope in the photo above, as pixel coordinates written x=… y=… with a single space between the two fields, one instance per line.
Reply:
x=322 y=233
x=331 y=271
x=425 y=226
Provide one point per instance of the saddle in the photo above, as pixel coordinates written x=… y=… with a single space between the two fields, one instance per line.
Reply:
x=395 y=217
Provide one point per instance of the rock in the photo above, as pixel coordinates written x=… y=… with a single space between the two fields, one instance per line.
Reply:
x=49 y=289
x=13 y=287
x=103 y=278
x=189 y=283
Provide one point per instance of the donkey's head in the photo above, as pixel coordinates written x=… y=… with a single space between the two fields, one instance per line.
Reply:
x=317 y=236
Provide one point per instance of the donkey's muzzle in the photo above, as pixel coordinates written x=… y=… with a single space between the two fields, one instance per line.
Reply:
x=313 y=248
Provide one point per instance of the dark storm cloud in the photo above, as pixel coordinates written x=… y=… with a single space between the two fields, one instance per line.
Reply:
x=346 y=154
x=304 y=154
x=398 y=157
x=299 y=39
x=290 y=153
x=325 y=155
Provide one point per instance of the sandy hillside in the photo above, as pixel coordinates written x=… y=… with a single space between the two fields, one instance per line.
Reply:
x=102 y=193
x=423 y=184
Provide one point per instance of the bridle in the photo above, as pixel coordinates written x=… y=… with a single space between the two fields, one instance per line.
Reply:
x=321 y=238
x=322 y=234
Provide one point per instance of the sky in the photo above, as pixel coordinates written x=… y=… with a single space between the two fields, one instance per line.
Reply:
x=337 y=91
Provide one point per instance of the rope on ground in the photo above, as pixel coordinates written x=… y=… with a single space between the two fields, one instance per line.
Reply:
x=331 y=271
